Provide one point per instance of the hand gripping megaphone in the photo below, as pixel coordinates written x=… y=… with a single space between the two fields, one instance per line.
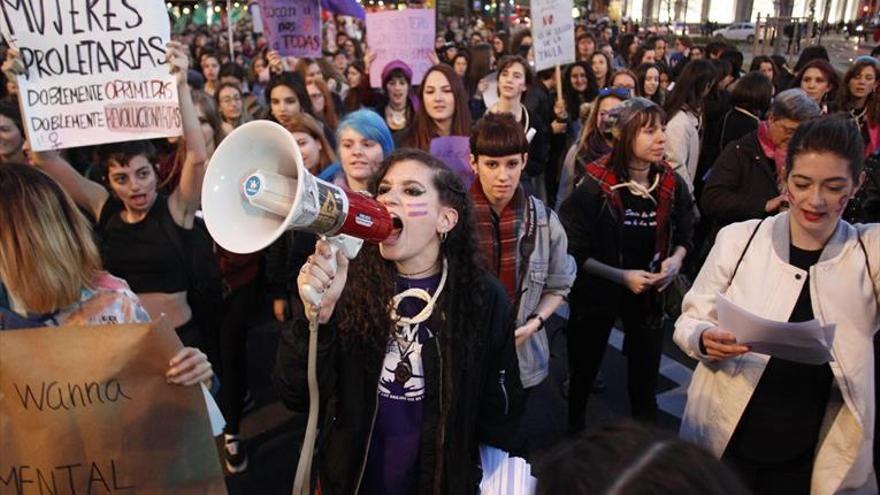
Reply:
x=256 y=188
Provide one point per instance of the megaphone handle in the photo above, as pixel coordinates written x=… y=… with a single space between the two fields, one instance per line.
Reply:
x=350 y=247
x=314 y=297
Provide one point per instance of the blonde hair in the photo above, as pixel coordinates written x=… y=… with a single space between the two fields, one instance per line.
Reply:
x=47 y=253
x=303 y=122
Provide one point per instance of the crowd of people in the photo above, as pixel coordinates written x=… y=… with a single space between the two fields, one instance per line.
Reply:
x=665 y=173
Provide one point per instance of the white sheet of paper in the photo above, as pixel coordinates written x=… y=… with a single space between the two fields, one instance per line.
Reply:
x=806 y=342
x=214 y=414
x=505 y=475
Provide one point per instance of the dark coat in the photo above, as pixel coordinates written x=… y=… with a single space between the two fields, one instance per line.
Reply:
x=741 y=182
x=735 y=125
x=594 y=231
x=487 y=397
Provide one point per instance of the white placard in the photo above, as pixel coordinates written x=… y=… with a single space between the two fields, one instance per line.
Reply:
x=95 y=71
x=553 y=29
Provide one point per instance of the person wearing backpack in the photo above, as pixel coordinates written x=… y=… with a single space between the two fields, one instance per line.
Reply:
x=522 y=240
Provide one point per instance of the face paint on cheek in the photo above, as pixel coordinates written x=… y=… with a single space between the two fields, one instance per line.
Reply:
x=416 y=209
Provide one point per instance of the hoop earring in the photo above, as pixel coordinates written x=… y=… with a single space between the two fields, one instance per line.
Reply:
x=443 y=236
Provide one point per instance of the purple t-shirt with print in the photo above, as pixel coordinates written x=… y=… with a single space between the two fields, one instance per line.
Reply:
x=393 y=459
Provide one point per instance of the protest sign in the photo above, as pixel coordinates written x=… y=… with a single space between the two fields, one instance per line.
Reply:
x=406 y=35
x=455 y=151
x=95 y=72
x=293 y=27
x=87 y=410
x=553 y=29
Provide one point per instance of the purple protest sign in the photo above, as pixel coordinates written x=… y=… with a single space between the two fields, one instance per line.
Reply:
x=455 y=151
x=406 y=35
x=293 y=27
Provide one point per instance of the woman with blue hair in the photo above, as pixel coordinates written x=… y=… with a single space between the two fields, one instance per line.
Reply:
x=364 y=140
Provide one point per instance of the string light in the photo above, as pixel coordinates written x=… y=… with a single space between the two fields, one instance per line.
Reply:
x=186 y=11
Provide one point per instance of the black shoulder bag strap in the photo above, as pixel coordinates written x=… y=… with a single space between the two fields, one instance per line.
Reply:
x=526 y=248
x=743 y=254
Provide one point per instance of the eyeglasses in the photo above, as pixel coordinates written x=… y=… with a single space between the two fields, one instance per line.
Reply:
x=621 y=93
x=230 y=99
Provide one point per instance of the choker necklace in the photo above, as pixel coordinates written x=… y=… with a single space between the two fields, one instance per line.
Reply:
x=397 y=117
x=419 y=274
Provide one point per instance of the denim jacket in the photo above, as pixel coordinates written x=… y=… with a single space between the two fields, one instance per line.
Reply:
x=551 y=270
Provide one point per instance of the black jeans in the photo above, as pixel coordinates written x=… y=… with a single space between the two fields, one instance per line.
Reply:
x=588 y=334
x=233 y=353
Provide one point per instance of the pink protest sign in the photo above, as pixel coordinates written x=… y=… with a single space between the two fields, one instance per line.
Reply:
x=293 y=26
x=406 y=35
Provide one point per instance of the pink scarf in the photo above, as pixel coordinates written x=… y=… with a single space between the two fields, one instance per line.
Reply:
x=772 y=152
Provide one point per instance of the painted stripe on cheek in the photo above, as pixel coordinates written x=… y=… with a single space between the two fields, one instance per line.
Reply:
x=419 y=213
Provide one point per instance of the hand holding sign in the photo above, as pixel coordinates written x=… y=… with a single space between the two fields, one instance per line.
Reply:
x=188 y=367
x=277 y=64
x=178 y=61
x=13 y=66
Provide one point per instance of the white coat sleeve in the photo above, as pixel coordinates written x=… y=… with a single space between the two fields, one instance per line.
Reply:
x=677 y=147
x=698 y=308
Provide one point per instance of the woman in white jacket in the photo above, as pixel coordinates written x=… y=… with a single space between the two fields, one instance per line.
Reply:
x=684 y=107
x=790 y=427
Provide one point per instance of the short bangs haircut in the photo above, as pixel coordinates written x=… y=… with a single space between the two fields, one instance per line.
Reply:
x=498 y=134
x=121 y=154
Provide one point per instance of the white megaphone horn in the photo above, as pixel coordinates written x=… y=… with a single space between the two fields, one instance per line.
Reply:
x=256 y=187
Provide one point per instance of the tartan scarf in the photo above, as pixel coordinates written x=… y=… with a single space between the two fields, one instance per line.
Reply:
x=499 y=234
x=665 y=195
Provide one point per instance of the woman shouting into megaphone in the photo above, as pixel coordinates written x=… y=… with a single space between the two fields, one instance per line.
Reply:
x=416 y=360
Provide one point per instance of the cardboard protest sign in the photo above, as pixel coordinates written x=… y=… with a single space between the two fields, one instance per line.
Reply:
x=87 y=410
x=293 y=26
x=455 y=151
x=406 y=35
x=553 y=30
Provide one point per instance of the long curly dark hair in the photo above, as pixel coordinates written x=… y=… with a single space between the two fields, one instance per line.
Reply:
x=364 y=309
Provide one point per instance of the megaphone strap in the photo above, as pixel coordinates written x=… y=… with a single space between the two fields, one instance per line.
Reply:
x=425 y=313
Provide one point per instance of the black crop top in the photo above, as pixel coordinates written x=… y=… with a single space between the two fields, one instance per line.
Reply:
x=142 y=253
